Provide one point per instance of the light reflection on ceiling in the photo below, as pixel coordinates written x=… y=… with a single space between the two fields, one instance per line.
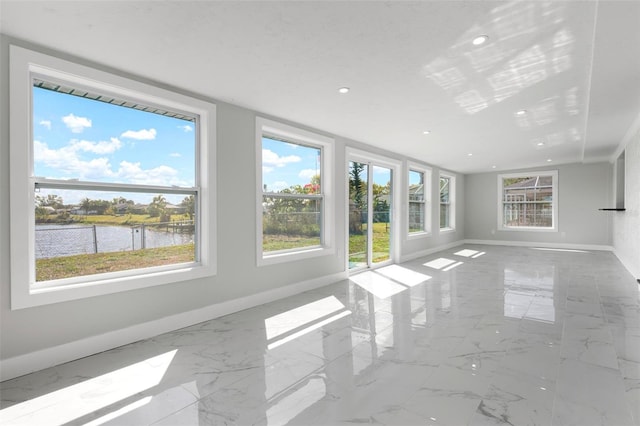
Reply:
x=506 y=70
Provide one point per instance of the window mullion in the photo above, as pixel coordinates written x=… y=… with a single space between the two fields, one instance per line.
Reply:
x=119 y=187
x=291 y=195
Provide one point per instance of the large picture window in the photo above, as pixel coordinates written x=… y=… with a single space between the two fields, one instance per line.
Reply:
x=295 y=197
x=528 y=201
x=111 y=182
x=418 y=199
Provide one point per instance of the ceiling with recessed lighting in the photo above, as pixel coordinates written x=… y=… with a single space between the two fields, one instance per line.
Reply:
x=553 y=80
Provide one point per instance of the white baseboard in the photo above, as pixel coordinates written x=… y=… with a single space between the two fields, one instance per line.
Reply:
x=592 y=247
x=49 y=357
x=427 y=252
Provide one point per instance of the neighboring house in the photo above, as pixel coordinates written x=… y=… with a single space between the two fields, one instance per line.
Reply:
x=139 y=208
x=416 y=192
x=173 y=209
x=121 y=208
x=416 y=207
x=77 y=210
x=529 y=202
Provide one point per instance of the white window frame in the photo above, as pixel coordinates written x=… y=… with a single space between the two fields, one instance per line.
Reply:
x=554 y=201
x=266 y=127
x=25 y=292
x=452 y=202
x=373 y=160
x=426 y=225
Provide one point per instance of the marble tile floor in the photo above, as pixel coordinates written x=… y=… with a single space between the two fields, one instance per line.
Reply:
x=475 y=335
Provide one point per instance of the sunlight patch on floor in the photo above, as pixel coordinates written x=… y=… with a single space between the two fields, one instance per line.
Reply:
x=403 y=275
x=378 y=285
x=290 y=325
x=450 y=267
x=439 y=263
x=73 y=402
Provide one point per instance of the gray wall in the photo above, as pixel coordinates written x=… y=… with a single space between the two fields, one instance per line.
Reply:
x=626 y=225
x=32 y=329
x=582 y=190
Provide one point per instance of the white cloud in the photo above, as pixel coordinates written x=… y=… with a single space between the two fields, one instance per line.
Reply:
x=267 y=169
x=308 y=173
x=45 y=123
x=270 y=158
x=175 y=154
x=161 y=175
x=76 y=124
x=102 y=147
x=141 y=135
x=67 y=163
x=186 y=128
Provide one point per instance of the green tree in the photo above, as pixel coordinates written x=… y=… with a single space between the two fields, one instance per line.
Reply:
x=381 y=195
x=357 y=187
x=189 y=205
x=99 y=206
x=51 y=200
x=41 y=214
x=122 y=200
x=85 y=204
x=291 y=215
x=158 y=208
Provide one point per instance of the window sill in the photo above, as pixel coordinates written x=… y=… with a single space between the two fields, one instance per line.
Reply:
x=291 y=256
x=103 y=284
x=418 y=235
x=447 y=230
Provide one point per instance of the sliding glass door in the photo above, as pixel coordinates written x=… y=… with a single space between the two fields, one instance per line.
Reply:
x=370 y=213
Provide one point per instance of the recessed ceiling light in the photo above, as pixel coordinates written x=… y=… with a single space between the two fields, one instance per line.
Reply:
x=426 y=132
x=521 y=112
x=481 y=39
x=470 y=154
x=344 y=90
x=540 y=144
x=549 y=160
x=493 y=167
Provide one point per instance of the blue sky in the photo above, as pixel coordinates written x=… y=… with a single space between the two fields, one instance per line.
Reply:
x=77 y=138
x=285 y=164
x=414 y=178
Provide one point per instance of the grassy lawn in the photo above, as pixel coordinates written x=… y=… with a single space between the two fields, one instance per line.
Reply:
x=357 y=244
x=105 y=219
x=284 y=242
x=90 y=264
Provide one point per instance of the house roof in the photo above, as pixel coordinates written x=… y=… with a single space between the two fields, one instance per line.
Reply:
x=532 y=182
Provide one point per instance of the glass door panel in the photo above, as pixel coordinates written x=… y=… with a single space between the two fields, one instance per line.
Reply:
x=358 y=215
x=381 y=206
x=370 y=217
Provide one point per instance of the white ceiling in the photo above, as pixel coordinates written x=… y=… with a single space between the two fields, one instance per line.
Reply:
x=574 y=66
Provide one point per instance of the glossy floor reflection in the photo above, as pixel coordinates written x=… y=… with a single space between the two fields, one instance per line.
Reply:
x=506 y=336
